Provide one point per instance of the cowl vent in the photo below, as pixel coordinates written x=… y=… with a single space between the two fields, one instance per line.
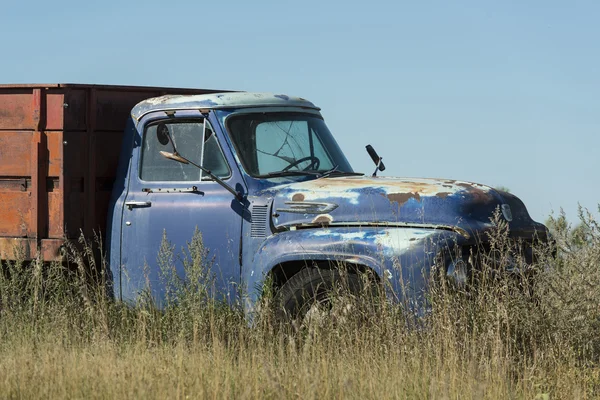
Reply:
x=259 y=221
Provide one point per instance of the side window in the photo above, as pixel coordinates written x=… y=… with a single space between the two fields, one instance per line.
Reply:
x=213 y=159
x=188 y=137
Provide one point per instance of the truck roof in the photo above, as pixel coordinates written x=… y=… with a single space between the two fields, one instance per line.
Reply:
x=218 y=101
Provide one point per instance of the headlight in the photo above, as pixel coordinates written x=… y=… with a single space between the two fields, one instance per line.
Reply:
x=457 y=273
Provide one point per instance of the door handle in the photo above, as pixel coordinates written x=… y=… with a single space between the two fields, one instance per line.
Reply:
x=132 y=204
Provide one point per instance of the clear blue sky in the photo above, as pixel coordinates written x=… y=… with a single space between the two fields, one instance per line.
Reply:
x=497 y=92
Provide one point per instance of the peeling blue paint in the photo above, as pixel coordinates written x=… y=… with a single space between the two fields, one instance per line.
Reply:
x=405 y=265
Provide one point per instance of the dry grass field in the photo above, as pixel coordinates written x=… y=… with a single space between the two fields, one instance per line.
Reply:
x=61 y=338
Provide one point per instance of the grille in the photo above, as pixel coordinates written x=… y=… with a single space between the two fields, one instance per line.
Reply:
x=259 y=221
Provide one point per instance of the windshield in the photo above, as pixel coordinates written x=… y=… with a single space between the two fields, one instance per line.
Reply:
x=272 y=144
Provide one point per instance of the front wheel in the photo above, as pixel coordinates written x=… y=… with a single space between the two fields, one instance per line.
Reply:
x=315 y=298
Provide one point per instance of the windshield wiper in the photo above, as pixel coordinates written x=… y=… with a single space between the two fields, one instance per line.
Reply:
x=341 y=173
x=324 y=174
x=334 y=171
x=292 y=173
x=328 y=172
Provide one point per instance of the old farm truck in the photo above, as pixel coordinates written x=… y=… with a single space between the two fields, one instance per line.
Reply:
x=259 y=175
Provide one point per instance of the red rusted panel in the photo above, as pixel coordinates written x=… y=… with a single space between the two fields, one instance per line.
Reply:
x=36 y=109
x=15 y=153
x=55 y=215
x=16 y=213
x=54 y=110
x=15 y=109
x=54 y=146
x=38 y=187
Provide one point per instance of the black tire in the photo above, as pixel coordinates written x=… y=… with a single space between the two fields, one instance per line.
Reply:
x=322 y=288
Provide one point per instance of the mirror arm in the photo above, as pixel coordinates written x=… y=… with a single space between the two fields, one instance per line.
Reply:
x=238 y=196
x=378 y=166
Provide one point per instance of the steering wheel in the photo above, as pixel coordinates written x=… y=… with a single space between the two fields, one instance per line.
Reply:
x=314 y=162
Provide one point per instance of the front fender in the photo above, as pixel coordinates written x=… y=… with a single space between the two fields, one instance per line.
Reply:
x=401 y=257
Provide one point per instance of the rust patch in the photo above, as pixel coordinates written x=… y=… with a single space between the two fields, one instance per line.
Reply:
x=402 y=198
x=424 y=187
x=479 y=196
x=298 y=197
x=323 y=219
x=330 y=183
x=443 y=195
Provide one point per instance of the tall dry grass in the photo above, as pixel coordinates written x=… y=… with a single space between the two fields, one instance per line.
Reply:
x=61 y=337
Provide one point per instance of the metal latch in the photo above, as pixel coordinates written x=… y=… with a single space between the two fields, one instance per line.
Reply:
x=132 y=204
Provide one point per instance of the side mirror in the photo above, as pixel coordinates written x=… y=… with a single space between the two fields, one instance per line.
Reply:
x=376 y=159
x=162 y=134
x=164 y=137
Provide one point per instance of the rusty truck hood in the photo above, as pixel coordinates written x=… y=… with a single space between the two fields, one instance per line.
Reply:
x=359 y=200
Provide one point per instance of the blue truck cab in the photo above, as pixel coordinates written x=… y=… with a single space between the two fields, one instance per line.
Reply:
x=275 y=198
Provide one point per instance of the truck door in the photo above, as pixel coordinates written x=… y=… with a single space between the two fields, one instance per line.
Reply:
x=171 y=199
